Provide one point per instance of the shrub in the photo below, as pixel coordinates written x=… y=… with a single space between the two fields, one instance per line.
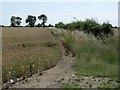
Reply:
x=90 y=26
x=59 y=25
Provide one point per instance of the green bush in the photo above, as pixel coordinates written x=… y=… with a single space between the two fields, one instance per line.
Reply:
x=59 y=25
x=90 y=26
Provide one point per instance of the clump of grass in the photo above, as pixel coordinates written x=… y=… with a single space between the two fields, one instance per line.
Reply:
x=55 y=32
x=97 y=57
x=68 y=42
x=51 y=44
x=66 y=38
x=105 y=85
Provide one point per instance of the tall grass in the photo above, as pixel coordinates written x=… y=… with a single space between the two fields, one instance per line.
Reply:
x=66 y=38
x=94 y=57
x=97 y=57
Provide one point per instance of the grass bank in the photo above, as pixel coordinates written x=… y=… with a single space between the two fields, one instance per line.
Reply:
x=97 y=57
x=94 y=57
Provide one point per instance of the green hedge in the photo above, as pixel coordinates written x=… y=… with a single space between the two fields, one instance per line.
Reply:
x=90 y=26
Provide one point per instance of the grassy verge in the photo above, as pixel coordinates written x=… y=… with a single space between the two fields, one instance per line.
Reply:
x=94 y=57
x=97 y=58
x=66 y=38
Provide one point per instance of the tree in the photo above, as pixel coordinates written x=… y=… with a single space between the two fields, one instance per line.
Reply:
x=50 y=25
x=18 y=20
x=107 y=29
x=43 y=17
x=12 y=20
x=31 y=20
x=15 y=21
x=60 y=25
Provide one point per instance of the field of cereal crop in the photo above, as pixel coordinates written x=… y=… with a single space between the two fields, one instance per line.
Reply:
x=26 y=51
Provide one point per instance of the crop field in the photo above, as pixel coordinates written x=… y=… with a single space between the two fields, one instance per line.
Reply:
x=26 y=51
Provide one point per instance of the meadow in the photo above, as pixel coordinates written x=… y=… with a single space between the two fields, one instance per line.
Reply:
x=26 y=51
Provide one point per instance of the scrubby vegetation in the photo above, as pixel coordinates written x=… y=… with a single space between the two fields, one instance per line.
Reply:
x=90 y=26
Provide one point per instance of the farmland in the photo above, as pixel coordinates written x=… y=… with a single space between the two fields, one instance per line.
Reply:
x=59 y=45
x=27 y=51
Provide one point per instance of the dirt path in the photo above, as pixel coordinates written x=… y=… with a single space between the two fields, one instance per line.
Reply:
x=63 y=73
x=51 y=78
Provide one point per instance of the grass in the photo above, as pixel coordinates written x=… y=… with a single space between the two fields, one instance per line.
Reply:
x=94 y=57
x=66 y=37
x=98 y=58
x=30 y=50
x=27 y=51
x=106 y=85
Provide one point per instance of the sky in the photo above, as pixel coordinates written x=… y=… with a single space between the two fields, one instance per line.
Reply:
x=61 y=11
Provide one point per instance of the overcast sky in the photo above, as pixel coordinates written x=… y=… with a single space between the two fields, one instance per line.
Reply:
x=61 y=11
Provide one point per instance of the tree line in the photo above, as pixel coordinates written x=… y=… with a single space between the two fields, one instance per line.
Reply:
x=90 y=26
x=30 y=20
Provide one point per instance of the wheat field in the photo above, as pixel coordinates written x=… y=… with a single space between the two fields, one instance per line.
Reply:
x=26 y=51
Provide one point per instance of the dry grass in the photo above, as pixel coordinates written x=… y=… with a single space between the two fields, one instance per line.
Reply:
x=27 y=51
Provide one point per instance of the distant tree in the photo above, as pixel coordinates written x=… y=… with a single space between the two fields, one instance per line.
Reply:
x=50 y=25
x=107 y=29
x=38 y=25
x=15 y=21
x=43 y=17
x=12 y=20
x=60 y=25
x=18 y=20
x=31 y=20
x=115 y=27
